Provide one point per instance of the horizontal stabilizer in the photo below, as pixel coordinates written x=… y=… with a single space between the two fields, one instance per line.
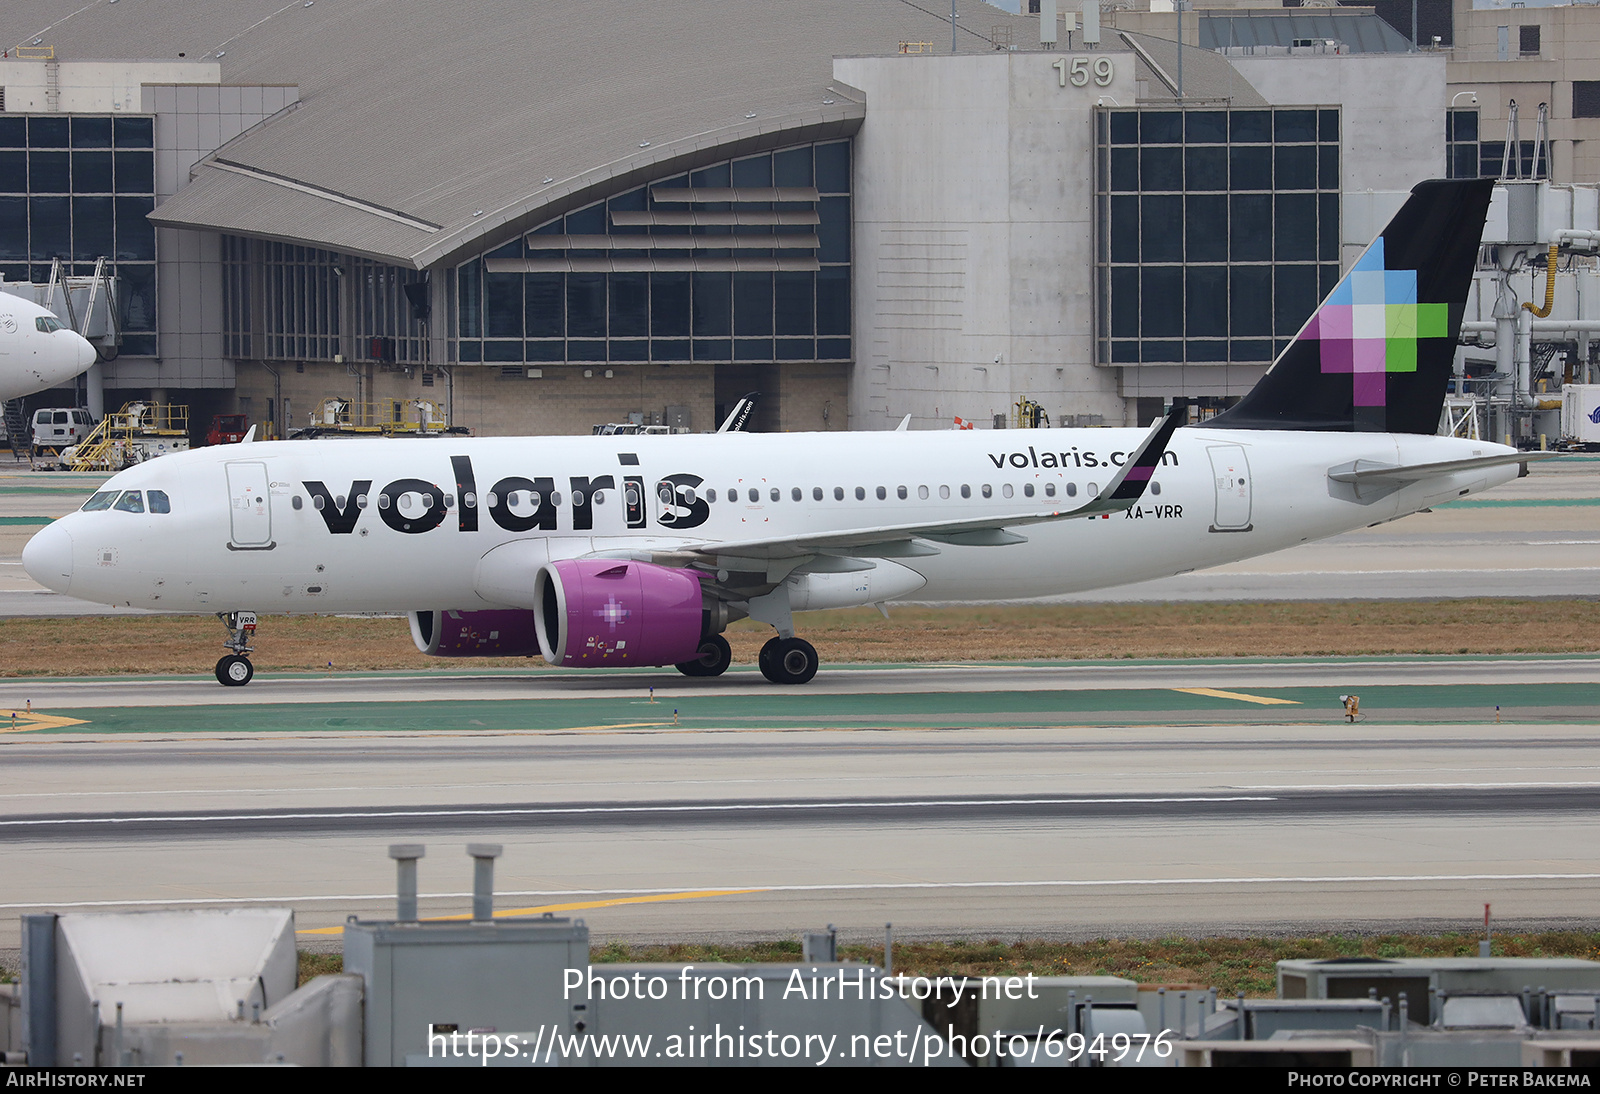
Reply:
x=1367 y=471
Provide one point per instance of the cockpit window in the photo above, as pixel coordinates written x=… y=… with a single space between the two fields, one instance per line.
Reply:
x=158 y=501
x=132 y=501
x=47 y=324
x=100 y=501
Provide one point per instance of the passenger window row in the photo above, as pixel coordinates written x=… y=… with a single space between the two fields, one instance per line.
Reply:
x=1006 y=490
x=534 y=499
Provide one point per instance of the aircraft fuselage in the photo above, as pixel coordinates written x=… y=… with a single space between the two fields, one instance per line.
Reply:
x=406 y=525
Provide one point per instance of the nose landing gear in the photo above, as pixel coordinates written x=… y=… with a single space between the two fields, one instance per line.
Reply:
x=235 y=669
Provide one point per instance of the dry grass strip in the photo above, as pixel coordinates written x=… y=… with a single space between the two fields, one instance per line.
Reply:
x=191 y=644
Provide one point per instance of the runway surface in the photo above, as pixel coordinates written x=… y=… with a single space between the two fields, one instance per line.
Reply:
x=989 y=801
x=778 y=812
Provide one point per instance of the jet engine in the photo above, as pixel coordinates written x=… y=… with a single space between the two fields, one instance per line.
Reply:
x=597 y=611
x=492 y=633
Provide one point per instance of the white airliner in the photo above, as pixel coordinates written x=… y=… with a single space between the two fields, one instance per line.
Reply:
x=639 y=550
x=37 y=351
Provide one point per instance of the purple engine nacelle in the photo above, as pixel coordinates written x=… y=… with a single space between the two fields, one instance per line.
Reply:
x=500 y=633
x=597 y=611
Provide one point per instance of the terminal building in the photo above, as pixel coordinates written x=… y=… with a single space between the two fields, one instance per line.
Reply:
x=541 y=218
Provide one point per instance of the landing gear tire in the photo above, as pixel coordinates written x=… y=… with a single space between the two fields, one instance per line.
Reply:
x=234 y=671
x=788 y=661
x=715 y=657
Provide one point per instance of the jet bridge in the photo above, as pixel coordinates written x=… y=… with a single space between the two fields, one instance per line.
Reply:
x=1531 y=326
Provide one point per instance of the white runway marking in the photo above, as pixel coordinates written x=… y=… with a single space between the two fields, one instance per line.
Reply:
x=602 y=809
x=1424 y=786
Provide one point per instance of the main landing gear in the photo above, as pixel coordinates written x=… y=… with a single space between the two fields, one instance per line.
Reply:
x=782 y=660
x=235 y=670
x=788 y=660
x=715 y=657
x=785 y=659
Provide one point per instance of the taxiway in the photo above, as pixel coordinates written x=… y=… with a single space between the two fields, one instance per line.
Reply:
x=978 y=800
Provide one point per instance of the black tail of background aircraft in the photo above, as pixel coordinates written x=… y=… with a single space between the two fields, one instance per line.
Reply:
x=1376 y=356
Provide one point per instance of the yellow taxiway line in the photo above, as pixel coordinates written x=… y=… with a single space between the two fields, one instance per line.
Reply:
x=577 y=906
x=23 y=721
x=1264 y=700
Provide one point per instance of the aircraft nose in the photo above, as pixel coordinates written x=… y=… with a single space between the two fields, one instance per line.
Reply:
x=86 y=352
x=48 y=557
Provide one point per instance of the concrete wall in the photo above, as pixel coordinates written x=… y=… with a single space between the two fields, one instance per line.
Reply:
x=1569 y=42
x=1392 y=127
x=812 y=398
x=96 y=87
x=974 y=238
x=192 y=121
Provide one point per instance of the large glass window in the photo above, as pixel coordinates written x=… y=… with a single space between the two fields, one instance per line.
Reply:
x=1222 y=225
x=669 y=305
x=503 y=315
x=542 y=305
x=752 y=304
x=282 y=301
x=586 y=305
x=744 y=260
x=1585 y=99
x=713 y=304
x=78 y=188
x=1468 y=157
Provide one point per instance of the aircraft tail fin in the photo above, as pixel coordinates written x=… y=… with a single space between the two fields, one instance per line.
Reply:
x=739 y=416
x=1376 y=356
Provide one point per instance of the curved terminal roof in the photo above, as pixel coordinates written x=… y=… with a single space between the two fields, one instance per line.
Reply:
x=425 y=131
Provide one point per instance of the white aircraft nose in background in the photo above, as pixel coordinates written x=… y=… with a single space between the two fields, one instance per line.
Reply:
x=37 y=351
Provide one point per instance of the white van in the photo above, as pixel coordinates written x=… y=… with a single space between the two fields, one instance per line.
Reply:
x=55 y=429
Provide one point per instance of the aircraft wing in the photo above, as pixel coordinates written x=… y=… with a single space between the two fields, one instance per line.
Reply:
x=1367 y=471
x=1126 y=487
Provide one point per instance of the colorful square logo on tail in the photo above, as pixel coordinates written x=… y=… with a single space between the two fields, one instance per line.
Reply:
x=1369 y=326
